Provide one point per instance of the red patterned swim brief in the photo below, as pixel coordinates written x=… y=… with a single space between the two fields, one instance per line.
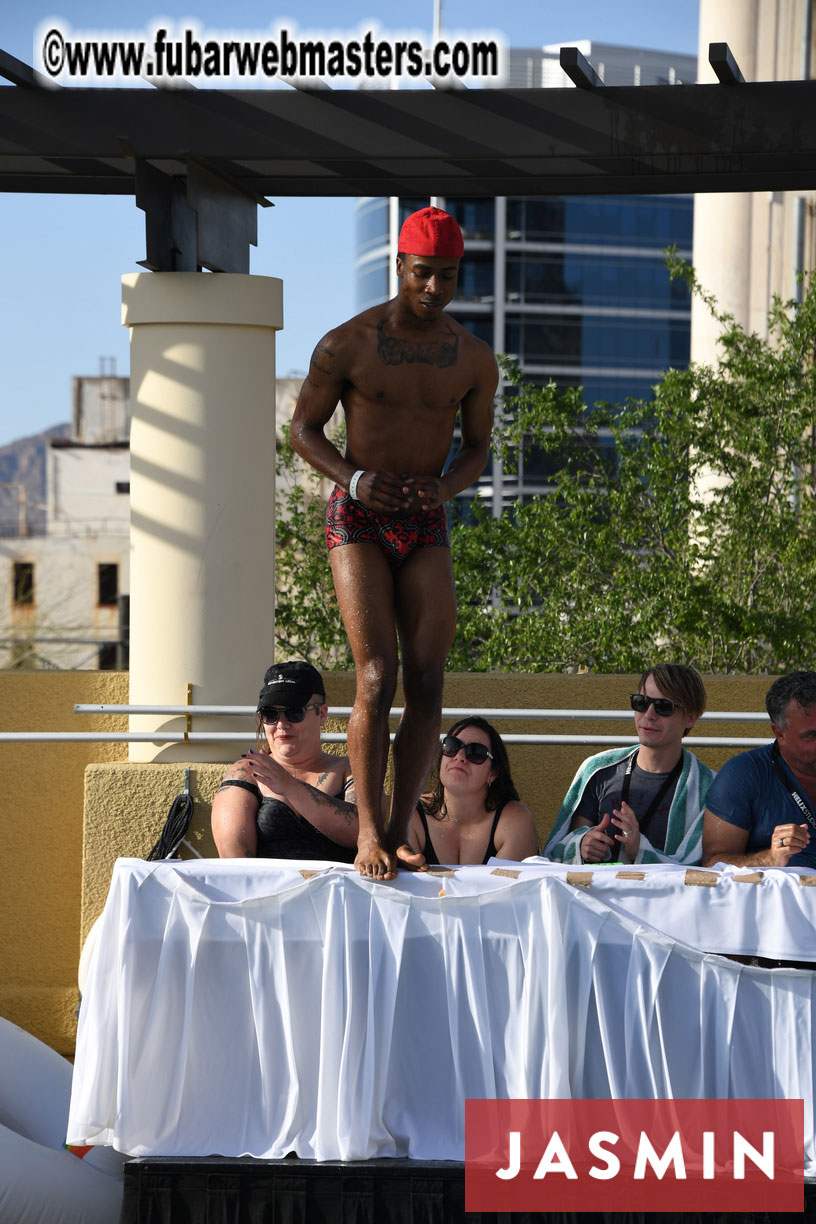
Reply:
x=350 y=522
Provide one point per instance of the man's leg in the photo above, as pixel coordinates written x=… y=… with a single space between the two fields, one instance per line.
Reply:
x=364 y=585
x=426 y=621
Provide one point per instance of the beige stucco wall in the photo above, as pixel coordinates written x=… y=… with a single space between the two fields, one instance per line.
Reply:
x=42 y=813
x=71 y=810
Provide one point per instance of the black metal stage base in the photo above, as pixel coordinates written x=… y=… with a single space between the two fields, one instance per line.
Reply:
x=215 y=1190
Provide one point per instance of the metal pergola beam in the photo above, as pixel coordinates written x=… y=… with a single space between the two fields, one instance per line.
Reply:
x=578 y=68
x=522 y=142
x=725 y=66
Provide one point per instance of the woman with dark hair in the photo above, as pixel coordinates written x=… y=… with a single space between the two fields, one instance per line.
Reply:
x=289 y=798
x=474 y=813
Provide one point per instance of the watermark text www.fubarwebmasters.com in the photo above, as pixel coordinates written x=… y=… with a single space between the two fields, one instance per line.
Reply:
x=167 y=53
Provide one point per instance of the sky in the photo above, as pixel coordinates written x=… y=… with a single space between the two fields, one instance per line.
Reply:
x=63 y=256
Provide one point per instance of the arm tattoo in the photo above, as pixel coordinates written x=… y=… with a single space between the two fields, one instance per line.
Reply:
x=239 y=774
x=320 y=349
x=252 y=787
x=442 y=353
x=339 y=806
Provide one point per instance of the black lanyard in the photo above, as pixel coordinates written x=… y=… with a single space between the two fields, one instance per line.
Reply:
x=653 y=806
x=790 y=788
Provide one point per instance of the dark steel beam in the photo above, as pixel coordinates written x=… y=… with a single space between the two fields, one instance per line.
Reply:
x=724 y=64
x=528 y=142
x=578 y=68
x=19 y=73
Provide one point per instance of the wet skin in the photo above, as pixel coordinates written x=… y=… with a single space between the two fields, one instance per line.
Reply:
x=401 y=371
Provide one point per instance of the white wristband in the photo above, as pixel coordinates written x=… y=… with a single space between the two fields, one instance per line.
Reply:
x=353 y=483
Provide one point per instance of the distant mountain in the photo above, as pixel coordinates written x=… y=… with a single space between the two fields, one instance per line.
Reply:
x=23 y=463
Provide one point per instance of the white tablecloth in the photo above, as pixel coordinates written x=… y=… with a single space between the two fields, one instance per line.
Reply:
x=241 y=1009
x=732 y=910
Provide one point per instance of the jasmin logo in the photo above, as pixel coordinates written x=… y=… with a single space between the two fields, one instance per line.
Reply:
x=743 y=1156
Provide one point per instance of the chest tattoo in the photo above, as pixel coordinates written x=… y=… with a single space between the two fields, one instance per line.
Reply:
x=442 y=353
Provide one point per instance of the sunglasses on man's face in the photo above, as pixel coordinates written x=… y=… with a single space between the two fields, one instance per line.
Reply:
x=665 y=708
x=476 y=753
x=292 y=714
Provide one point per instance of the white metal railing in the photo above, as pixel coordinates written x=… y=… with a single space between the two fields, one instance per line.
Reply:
x=396 y=712
x=188 y=736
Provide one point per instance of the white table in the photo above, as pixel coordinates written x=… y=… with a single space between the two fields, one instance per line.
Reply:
x=260 y=1008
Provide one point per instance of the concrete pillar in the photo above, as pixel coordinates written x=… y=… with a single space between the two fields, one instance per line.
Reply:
x=202 y=495
x=722 y=221
x=748 y=247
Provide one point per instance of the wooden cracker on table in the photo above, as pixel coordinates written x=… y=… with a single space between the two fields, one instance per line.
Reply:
x=630 y=875
x=704 y=879
x=753 y=877
x=440 y=871
x=808 y=881
x=580 y=879
x=506 y=871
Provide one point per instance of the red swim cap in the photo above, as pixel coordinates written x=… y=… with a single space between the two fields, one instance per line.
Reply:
x=431 y=232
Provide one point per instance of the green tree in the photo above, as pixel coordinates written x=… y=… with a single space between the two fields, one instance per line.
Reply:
x=691 y=538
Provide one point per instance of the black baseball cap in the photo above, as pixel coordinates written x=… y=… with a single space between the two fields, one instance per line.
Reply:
x=290 y=684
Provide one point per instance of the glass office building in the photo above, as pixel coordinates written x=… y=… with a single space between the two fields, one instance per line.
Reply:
x=572 y=288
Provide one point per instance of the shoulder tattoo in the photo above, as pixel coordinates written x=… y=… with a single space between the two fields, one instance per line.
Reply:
x=321 y=357
x=241 y=769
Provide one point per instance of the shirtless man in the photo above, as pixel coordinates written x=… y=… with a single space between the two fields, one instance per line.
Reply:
x=402 y=371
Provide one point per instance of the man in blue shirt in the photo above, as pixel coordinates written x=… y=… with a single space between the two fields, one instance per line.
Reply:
x=761 y=809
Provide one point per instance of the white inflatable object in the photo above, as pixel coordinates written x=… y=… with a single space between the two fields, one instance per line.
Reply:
x=39 y=1185
x=41 y=1182
x=35 y=1087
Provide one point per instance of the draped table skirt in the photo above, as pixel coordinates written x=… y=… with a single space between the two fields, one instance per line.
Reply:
x=266 y=1008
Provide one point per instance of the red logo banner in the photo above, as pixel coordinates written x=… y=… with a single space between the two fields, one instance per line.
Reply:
x=657 y=1156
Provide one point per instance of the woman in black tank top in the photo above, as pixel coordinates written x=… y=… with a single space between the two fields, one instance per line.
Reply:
x=289 y=799
x=474 y=814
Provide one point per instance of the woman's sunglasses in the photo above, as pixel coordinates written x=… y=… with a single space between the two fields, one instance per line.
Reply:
x=476 y=753
x=292 y=714
x=665 y=708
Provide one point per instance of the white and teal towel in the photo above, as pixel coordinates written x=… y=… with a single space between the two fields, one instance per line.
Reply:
x=684 y=831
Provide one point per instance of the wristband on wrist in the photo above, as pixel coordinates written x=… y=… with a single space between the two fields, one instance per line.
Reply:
x=353 y=483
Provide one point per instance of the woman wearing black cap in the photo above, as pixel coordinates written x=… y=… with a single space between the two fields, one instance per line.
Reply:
x=290 y=799
x=475 y=813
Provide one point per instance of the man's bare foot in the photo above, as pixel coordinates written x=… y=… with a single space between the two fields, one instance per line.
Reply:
x=373 y=861
x=409 y=858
